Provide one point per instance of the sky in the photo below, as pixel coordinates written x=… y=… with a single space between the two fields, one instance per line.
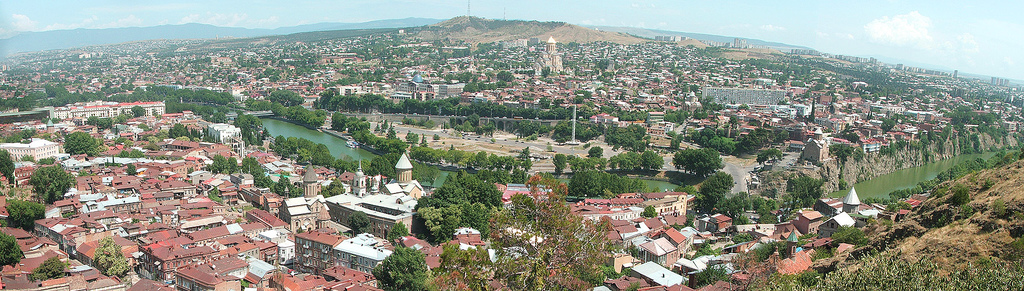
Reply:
x=981 y=37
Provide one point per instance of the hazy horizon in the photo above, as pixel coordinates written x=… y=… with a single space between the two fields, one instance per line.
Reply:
x=970 y=37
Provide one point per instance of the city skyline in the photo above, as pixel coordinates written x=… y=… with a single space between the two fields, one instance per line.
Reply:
x=969 y=37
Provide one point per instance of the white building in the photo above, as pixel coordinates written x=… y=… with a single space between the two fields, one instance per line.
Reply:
x=224 y=133
x=38 y=149
x=361 y=253
x=105 y=109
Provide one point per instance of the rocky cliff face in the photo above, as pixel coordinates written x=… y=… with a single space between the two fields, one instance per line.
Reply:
x=875 y=164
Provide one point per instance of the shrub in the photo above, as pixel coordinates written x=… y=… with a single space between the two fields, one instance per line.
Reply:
x=998 y=208
x=961 y=195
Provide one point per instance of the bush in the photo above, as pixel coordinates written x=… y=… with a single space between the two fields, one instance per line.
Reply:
x=961 y=195
x=850 y=235
x=998 y=208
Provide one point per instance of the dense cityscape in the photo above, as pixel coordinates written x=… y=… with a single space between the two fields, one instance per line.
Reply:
x=479 y=154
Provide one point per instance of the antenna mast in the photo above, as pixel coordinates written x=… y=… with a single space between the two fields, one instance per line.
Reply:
x=467 y=6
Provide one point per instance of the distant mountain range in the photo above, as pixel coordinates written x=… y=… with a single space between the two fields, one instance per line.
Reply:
x=65 y=39
x=651 y=33
x=480 y=30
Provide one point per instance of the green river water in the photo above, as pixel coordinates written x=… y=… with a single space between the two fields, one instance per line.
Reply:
x=339 y=149
x=907 y=178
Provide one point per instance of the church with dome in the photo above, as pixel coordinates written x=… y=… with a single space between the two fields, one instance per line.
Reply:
x=385 y=202
x=549 y=58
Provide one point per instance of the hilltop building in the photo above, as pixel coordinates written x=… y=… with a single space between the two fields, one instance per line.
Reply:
x=549 y=58
x=816 y=148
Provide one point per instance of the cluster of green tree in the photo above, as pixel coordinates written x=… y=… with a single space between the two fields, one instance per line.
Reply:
x=179 y=130
x=540 y=245
x=629 y=161
x=737 y=205
x=481 y=86
x=633 y=138
x=23 y=136
x=463 y=201
x=301 y=115
x=472 y=124
x=251 y=128
x=331 y=101
x=844 y=151
x=23 y=214
x=50 y=183
x=211 y=113
x=699 y=162
x=769 y=155
x=479 y=160
x=709 y=138
x=712 y=192
x=594 y=183
x=342 y=123
x=6 y=166
x=303 y=150
x=390 y=144
x=223 y=165
x=803 y=191
x=131 y=153
x=529 y=129
x=286 y=98
x=78 y=143
x=10 y=251
x=585 y=131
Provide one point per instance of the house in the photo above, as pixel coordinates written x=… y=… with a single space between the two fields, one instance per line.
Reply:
x=314 y=251
x=833 y=224
x=660 y=251
x=714 y=223
x=807 y=221
x=361 y=253
x=656 y=275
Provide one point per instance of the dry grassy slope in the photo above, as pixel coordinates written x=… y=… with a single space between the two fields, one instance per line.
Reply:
x=477 y=30
x=963 y=240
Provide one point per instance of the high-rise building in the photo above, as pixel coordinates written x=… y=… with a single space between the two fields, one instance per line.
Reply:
x=745 y=96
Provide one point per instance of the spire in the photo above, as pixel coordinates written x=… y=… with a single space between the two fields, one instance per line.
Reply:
x=403 y=163
x=851 y=199
x=310 y=175
x=551 y=40
x=793 y=237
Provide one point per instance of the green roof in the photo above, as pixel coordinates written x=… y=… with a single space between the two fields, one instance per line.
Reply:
x=792 y=237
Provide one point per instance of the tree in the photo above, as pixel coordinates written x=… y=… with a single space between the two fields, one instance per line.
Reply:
x=649 y=212
x=650 y=160
x=398 y=230
x=405 y=269
x=560 y=161
x=850 y=235
x=23 y=214
x=541 y=245
x=110 y=260
x=772 y=154
x=79 y=142
x=743 y=237
x=359 y=222
x=131 y=170
x=10 y=252
x=138 y=111
x=700 y=162
x=50 y=183
x=713 y=190
x=803 y=191
x=595 y=152
x=6 y=166
x=51 y=268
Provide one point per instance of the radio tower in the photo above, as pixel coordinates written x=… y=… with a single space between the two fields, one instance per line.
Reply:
x=467 y=6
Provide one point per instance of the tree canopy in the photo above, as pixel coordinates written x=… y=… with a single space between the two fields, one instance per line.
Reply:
x=700 y=162
x=79 y=142
x=23 y=214
x=10 y=252
x=50 y=183
x=713 y=190
x=51 y=268
x=404 y=270
x=359 y=222
x=6 y=166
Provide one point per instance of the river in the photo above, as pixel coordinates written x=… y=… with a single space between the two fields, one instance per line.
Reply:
x=882 y=185
x=339 y=149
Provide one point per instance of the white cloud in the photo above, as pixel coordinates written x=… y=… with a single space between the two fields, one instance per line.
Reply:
x=909 y=29
x=772 y=28
x=217 y=19
x=85 y=23
x=967 y=43
x=131 y=20
x=20 y=22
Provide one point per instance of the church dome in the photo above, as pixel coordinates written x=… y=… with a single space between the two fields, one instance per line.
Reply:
x=403 y=163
